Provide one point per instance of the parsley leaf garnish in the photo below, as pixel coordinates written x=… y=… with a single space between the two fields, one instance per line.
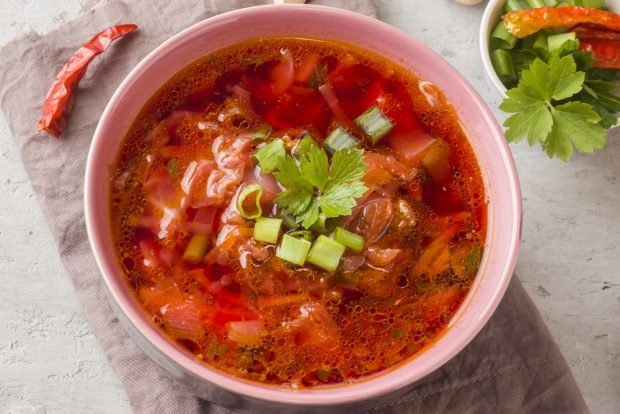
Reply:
x=543 y=114
x=315 y=188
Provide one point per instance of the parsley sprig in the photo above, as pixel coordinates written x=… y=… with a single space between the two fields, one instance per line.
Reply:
x=315 y=188
x=547 y=109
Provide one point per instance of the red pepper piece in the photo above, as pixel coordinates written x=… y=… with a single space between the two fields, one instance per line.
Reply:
x=61 y=96
x=522 y=23
x=592 y=31
x=605 y=52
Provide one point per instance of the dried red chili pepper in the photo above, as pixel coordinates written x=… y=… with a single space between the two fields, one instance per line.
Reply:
x=605 y=52
x=522 y=23
x=60 y=98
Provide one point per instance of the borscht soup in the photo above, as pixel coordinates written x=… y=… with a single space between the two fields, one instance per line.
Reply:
x=298 y=212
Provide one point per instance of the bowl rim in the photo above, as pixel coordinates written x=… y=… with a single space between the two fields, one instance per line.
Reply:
x=492 y=10
x=364 y=390
x=484 y=34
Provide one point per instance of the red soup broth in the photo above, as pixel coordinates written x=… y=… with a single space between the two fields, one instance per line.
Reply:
x=233 y=303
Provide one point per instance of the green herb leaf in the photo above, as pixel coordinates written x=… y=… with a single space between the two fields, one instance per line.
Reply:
x=305 y=145
x=472 y=260
x=584 y=61
x=296 y=200
x=212 y=349
x=173 y=168
x=424 y=286
x=322 y=374
x=347 y=165
x=564 y=79
x=577 y=122
x=532 y=118
x=339 y=200
x=310 y=215
x=397 y=333
x=289 y=175
x=269 y=156
x=316 y=191
x=315 y=167
x=543 y=115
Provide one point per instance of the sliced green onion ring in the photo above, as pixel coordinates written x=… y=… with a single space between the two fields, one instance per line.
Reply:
x=293 y=250
x=302 y=234
x=351 y=240
x=267 y=229
x=374 y=123
x=249 y=189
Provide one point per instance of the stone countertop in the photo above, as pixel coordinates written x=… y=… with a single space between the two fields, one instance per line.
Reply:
x=569 y=261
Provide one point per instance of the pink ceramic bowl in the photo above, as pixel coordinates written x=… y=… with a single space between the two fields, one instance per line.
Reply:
x=500 y=177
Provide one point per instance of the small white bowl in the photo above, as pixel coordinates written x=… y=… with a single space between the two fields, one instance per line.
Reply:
x=491 y=16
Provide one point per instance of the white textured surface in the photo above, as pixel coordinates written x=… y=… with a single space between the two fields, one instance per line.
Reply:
x=569 y=262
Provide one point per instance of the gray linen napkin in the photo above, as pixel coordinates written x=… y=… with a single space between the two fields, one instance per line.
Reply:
x=513 y=366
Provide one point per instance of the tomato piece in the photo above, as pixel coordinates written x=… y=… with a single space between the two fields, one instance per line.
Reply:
x=299 y=108
x=410 y=146
x=352 y=78
x=375 y=95
x=150 y=250
x=282 y=74
x=228 y=298
x=224 y=315
x=443 y=199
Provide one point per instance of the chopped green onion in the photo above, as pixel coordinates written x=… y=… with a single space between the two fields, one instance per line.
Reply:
x=262 y=134
x=374 y=123
x=196 y=248
x=288 y=220
x=555 y=42
x=338 y=139
x=501 y=38
x=304 y=234
x=304 y=146
x=245 y=193
x=472 y=260
x=502 y=62
x=540 y=44
x=173 y=168
x=535 y=3
x=512 y=5
x=269 y=156
x=267 y=229
x=293 y=250
x=596 y=4
x=424 y=286
x=326 y=253
x=551 y=3
x=351 y=240
x=322 y=374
